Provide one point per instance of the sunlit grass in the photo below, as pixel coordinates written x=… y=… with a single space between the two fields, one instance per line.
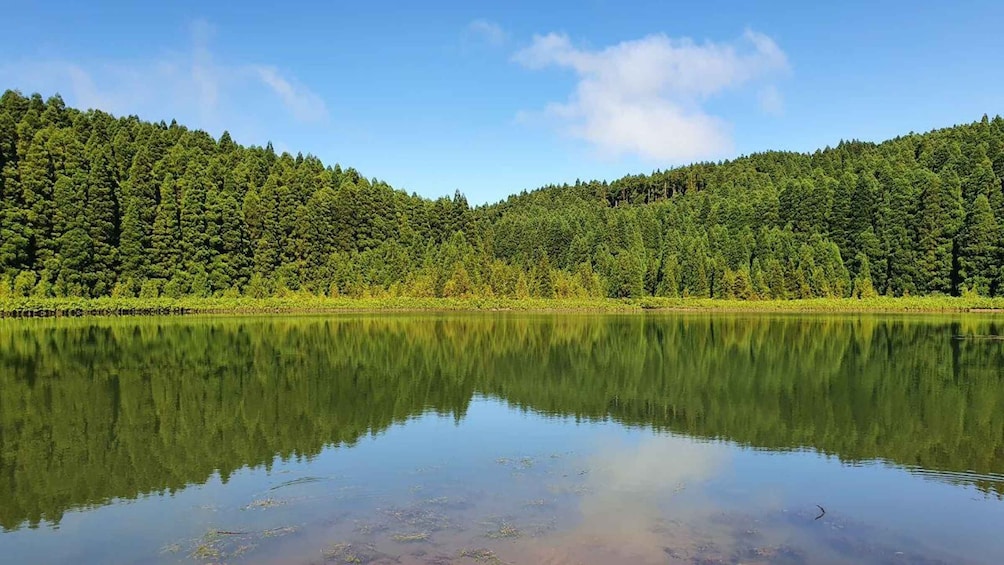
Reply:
x=310 y=303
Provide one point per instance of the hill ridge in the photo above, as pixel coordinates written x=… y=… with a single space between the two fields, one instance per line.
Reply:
x=93 y=205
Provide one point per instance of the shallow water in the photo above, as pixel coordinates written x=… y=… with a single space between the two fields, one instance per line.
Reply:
x=505 y=438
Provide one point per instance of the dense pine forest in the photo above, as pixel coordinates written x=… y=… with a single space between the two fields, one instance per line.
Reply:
x=93 y=205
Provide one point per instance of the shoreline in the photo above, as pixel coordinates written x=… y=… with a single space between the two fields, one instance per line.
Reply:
x=307 y=304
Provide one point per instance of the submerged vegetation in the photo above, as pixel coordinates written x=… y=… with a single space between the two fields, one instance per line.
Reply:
x=97 y=206
x=135 y=406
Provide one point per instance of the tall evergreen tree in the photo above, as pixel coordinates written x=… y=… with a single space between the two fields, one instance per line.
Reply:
x=165 y=241
x=101 y=213
x=979 y=248
x=932 y=226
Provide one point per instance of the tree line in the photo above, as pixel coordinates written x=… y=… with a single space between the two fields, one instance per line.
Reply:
x=93 y=205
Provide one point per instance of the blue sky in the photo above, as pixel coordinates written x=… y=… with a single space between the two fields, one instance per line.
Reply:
x=494 y=98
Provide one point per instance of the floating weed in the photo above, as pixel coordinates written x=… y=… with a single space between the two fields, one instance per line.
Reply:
x=439 y=559
x=482 y=555
x=206 y=551
x=419 y=518
x=522 y=463
x=410 y=537
x=242 y=549
x=506 y=531
x=450 y=502
x=214 y=534
x=171 y=548
x=354 y=553
x=218 y=545
x=368 y=528
x=336 y=550
x=209 y=546
x=263 y=503
x=341 y=552
x=276 y=532
x=502 y=529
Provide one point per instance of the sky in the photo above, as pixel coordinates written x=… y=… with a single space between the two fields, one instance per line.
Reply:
x=492 y=98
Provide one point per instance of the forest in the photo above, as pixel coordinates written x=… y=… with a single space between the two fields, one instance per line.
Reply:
x=95 y=410
x=93 y=205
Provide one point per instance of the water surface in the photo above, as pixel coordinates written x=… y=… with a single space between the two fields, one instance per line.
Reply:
x=505 y=438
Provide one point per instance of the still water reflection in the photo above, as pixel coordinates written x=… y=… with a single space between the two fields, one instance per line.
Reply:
x=434 y=439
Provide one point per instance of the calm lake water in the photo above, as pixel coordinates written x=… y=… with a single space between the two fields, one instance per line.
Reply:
x=557 y=439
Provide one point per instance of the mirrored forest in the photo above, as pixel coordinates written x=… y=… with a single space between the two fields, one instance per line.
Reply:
x=98 y=409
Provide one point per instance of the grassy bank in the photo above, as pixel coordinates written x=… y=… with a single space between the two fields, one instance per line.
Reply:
x=39 y=307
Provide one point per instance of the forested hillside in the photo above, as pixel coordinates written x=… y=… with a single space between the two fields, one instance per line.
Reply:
x=94 y=205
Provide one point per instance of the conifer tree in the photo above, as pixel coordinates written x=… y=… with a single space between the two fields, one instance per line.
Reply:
x=863 y=287
x=165 y=240
x=979 y=248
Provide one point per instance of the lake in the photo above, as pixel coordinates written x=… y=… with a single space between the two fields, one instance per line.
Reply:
x=503 y=438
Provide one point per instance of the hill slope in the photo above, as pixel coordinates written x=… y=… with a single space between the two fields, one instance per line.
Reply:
x=94 y=205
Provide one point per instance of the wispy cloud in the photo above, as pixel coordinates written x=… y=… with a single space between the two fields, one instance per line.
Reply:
x=487 y=31
x=190 y=84
x=646 y=97
x=205 y=74
x=771 y=101
x=299 y=100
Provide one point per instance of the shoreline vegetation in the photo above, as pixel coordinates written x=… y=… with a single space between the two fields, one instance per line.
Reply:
x=301 y=303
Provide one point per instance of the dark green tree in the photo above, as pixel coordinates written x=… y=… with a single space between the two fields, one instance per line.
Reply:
x=979 y=248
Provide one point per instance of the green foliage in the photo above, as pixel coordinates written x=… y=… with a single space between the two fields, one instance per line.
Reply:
x=863 y=287
x=89 y=202
x=669 y=279
x=124 y=288
x=979 y=250
x=150 y=288
x=24 y=282
x=258 y=287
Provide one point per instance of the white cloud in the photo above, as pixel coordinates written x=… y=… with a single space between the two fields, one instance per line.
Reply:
x=771 y=101
x=646 y=96
x=488 y=31
x=203 y=71
x=189 y=85
x=300 y=101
